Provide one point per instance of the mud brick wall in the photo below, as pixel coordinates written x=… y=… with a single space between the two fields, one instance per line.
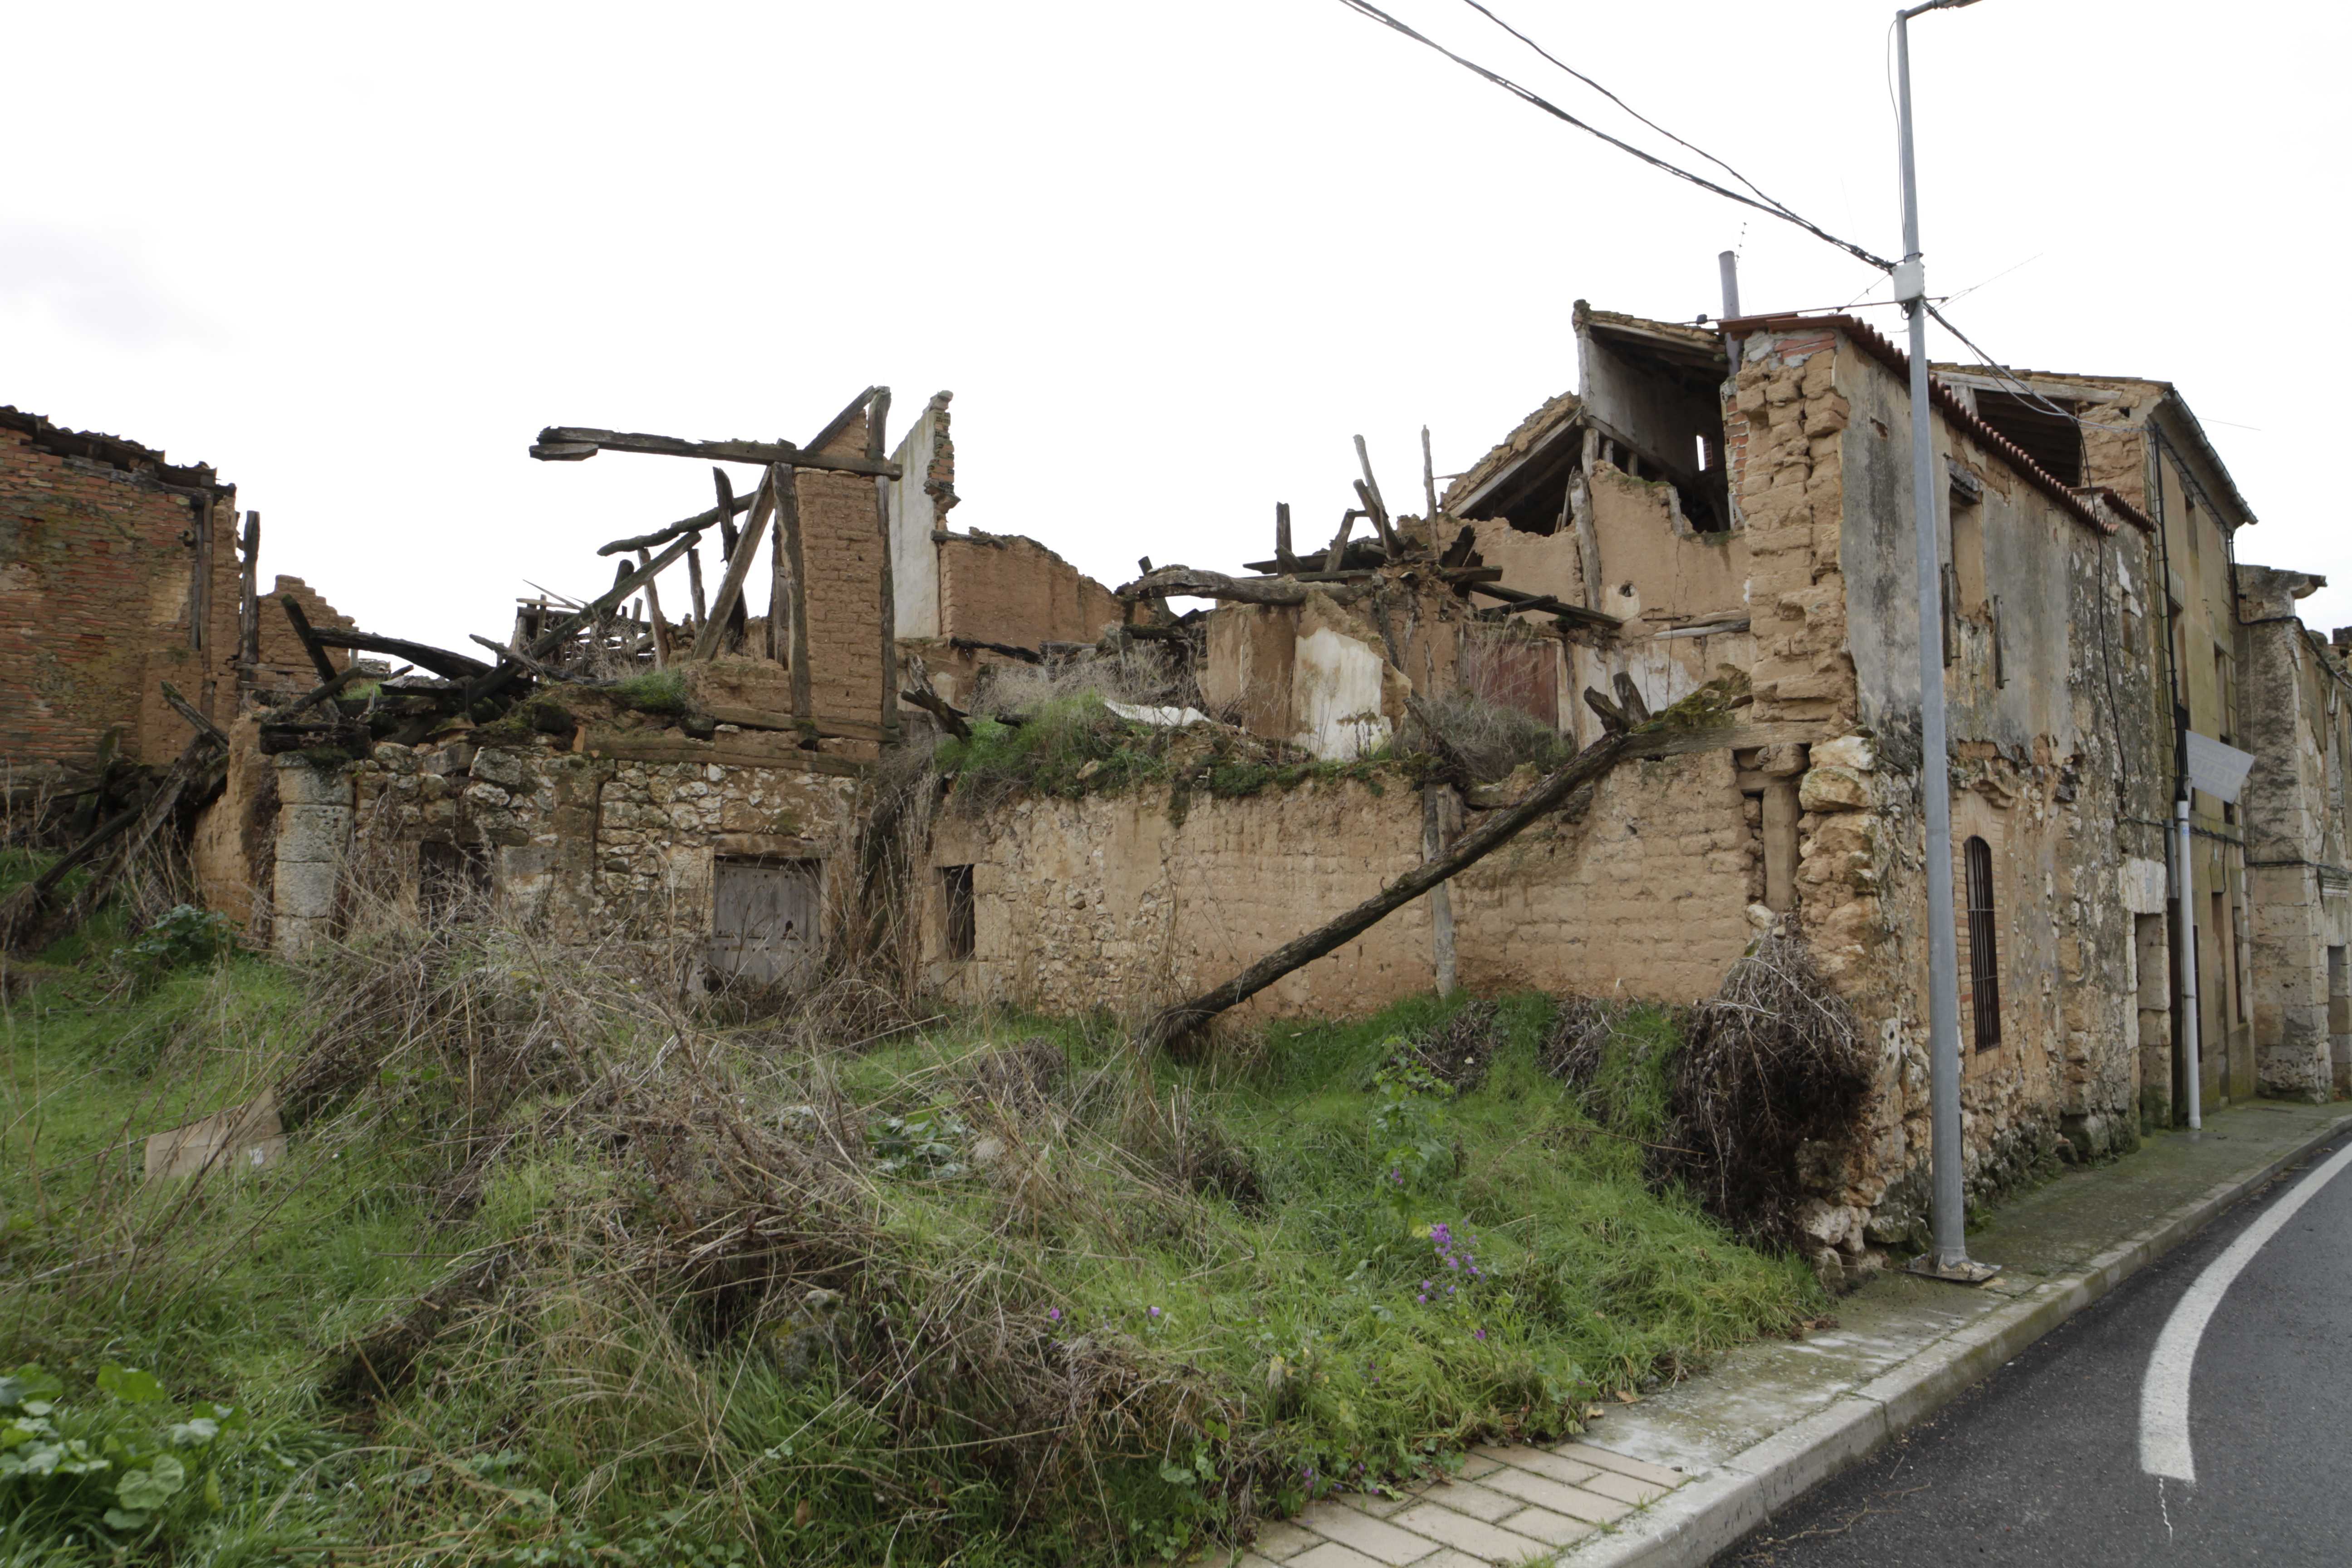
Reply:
x=1130 y=902
x=1006 y=589
x=280 y=648
x=97 y=580
x=1643 y=894
x=845 y=556
x=1126 y=902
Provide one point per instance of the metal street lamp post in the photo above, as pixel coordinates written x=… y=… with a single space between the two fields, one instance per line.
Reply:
x=1948 y=1254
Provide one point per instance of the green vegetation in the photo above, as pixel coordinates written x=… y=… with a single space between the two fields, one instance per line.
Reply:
x=555 y=1272
x=652 y=691
x=1073 y=745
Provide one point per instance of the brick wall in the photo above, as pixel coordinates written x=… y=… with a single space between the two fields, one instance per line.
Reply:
x=280 y=648
x=843 y=552
x=97 y=540
x=1003 y=588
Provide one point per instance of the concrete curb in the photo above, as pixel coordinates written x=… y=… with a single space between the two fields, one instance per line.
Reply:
x=1689 y=1526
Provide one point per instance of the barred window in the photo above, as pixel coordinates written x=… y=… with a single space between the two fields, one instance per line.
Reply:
x=1984 y=957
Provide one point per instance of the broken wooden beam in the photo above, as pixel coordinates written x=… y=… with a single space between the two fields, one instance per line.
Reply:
x=248 y=604
x=439 y=660
x=1184 y=581
x=1172 y=1024
x=1283 y=561
x=695 y=524
x=499 y=680
x=654 y=609
x=188 y=711
x=324 y=691
x=574 y=443
x=720 y=625
x=309 y=638
x=543 y=670
x=840 y=422
x=1025 y=654
x=1586 y=768
x=1337 y=554
x=1368 y=490
x=1428 y=484
x=931 y=702
x=1545 y=605
x=1628 y=698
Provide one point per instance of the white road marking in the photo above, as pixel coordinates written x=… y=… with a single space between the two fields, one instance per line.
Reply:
x=2164 y=1392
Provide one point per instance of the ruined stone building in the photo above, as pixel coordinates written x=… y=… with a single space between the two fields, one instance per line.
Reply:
x=1716 y=517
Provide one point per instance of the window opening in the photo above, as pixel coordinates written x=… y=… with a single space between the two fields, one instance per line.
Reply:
x=1984 y=958
x=962 y=915
x=453 y=882
x=2053 y=441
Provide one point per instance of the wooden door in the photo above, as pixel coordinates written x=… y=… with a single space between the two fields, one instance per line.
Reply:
x=765 y=919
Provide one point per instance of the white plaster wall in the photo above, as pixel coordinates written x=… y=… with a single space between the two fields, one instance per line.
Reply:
x=1336 y=689
x=914 y=556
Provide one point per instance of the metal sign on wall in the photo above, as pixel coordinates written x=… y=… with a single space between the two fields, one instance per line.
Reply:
x=2215 y=768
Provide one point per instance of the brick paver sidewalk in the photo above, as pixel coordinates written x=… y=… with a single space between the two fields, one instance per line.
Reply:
x=1506 y=1505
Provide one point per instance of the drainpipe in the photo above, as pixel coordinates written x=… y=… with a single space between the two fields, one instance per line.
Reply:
x=2187 y=889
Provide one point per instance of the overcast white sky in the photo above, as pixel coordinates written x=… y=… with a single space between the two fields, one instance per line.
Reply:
x=1169 y=258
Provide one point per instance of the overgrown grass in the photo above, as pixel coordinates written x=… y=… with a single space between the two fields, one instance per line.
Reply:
x=652 y=691
x=990 y=1290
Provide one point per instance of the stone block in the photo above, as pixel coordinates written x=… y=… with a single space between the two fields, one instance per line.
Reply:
x=1852 y=752
x=301 y=781
x=243 y=1136
x=500 y=766
x=306 y=889
x=308 y=833
x=1832 y=789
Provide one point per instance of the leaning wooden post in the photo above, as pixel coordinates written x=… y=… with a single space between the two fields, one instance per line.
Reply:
x=720 y=629
x=878 y=416
x=653 y=609
x=788 y=566
x=249 y=609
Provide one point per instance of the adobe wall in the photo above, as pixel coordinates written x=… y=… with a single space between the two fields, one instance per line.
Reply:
x=98 y=590
x=1123 y=904
x=1006 y=589
x=280 y=648
x=1120 y=903
x=844 y=553
x=1644 y=893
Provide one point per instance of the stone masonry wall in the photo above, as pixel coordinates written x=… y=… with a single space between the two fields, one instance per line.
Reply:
x=587 y=849
x=96 y=585
x=2054 y=764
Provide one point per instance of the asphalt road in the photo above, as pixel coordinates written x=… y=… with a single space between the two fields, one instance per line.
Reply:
x=2041 y=1463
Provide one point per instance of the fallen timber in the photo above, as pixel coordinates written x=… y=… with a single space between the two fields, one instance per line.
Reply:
x=1679 y=729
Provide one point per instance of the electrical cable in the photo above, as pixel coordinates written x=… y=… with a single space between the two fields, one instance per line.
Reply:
x=1773 y=201
x=1366 y=8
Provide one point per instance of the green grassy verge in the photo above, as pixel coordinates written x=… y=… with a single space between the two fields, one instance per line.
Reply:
x=988 y=1292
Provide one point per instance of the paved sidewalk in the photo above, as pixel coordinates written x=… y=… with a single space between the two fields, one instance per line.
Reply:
x=1672 y=1480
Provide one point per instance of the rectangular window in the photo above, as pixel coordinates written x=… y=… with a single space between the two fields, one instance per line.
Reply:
x=1984 y=955
x=962 y=917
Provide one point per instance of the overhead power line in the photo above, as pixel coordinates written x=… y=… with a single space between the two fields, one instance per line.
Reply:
x=1776 y=204
x=1765 y=204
